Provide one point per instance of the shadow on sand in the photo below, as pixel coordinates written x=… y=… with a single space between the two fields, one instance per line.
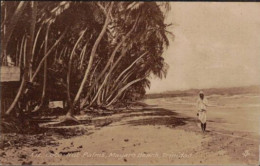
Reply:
x=157 y=116
x=137 y=117
x=134 y=117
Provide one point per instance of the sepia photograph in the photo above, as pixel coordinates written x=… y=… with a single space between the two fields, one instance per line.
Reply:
x=130 y=83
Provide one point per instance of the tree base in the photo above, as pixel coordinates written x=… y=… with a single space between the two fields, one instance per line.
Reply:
x=68 y=119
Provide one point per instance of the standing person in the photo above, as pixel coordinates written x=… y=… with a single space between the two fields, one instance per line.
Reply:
x=202 y=104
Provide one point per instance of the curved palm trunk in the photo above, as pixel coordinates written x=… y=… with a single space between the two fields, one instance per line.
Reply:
x=99 y=98
x=44 y=83
x=32 y=31
x=45 y=66
x=24 y=56
x=123 y=89
x=119 y=84
x=16 y=97
x=43 y=44
x=26 y=48
x=63 y=52
x=69 y=68
x=35 y=42
x=33 y=51
x=92 y=55
x=3 y=25
x=111 y=59
x=92 y=75
x=21 y=53
x=46 y=55
x=102 y=96
x=123 y=96
x=90 y=81
x=108 y=74
x=10 y=27
x=99 y=90
x=82 y=55
x=116 y=83
x=131 y=65
x=17 y=54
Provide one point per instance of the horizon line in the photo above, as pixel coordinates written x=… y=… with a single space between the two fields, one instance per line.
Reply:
x=181 y=90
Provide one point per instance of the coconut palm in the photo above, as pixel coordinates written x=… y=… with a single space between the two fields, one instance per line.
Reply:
x=95 y=53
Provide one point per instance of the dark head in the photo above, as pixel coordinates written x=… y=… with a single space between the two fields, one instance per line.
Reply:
x=201 y=94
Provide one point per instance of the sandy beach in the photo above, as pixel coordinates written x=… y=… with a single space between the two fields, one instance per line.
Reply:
x=165 y=131
x=129 y=83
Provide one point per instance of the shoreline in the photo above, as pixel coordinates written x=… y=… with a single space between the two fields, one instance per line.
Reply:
x=135 y=136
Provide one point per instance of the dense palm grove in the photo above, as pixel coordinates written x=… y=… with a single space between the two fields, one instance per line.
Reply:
x=88 y=54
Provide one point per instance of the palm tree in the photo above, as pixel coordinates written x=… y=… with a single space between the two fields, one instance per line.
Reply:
x=20 y=29
x=153 y=40
x=92 y=55
x=97 y=60
x=29 y=47
x=9 y=22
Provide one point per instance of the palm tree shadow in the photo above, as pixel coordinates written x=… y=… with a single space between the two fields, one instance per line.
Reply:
x=158 y=116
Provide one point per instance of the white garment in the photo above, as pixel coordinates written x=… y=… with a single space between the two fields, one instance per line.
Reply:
x=202 y=105
x=202 y=116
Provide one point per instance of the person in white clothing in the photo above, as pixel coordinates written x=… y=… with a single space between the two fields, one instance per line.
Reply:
x=202 y=104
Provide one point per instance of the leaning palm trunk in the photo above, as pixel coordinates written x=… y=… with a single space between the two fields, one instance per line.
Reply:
x=46 y=55
x=105 y=91
x=102 y=96
x=11 y=25
x=94 y=71
x=31 y=41
x=16 y=53
x=24 y=53
x=92 y=55
x=69 y=67
x=44 y=83
x=116 y=83
x=111 y=59
x=33 y=51
x=115 y=87
x=62 y=53
x=123 y=89
x=21 y=52
x=21 y=88
x=99 y=98
x=131 y=65
x=123 y=96
x=27 y=50
x=109 y=73
x=82 y=55
x=45 y=66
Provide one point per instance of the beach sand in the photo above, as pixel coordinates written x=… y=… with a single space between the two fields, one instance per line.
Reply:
x=163 y=132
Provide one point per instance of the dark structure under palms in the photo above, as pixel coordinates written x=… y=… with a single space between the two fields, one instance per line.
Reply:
x=88 y=54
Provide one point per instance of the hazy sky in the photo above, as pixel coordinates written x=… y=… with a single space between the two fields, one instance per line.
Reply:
x=217 y=44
